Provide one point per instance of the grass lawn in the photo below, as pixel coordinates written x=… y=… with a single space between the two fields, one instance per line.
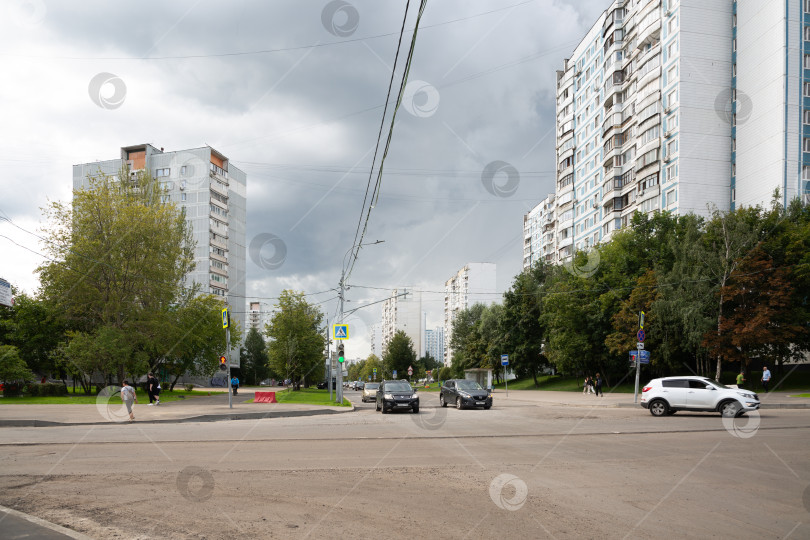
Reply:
x=82 y=399
x=307 y=396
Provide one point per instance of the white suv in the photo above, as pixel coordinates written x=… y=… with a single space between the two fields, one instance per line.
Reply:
x=671 y=394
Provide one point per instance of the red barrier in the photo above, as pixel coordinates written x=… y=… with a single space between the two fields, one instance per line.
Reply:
x=265 y=397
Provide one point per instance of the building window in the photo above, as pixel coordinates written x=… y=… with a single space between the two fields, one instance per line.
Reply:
x=807 y=33
x=673 y=24
x=672 y=122
x=672 y=98
x=807 y=89
x=807 y=61
x=672 y=197
x=182 y=196
x=805 y=172
x=806 y=144
x=162 y=172
x=672 y=173
x=183 y=170
x=672 y=147
x=807 y=6
x=672 y=74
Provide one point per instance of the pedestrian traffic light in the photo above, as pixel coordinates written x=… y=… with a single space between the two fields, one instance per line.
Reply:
x=341 y=356
x=223 y=363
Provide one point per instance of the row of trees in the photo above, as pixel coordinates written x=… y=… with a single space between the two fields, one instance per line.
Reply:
x=113 y=301
x=398 y=356
x=718 y=294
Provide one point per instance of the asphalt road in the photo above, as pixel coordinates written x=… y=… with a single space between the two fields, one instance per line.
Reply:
x=516 y=470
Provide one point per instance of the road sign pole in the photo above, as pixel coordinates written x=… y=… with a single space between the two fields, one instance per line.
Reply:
x=228 y=357
x=328 y=361
x=638 y=369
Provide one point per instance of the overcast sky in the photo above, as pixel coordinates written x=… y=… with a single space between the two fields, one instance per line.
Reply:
x=293 y=92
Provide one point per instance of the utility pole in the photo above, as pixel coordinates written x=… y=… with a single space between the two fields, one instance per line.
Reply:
x=226 y=324
x=328 y=362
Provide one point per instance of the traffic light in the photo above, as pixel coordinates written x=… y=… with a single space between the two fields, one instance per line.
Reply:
x=223 y=363
x=341 y=356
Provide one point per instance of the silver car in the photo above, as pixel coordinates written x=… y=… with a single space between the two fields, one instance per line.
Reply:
x=370 y=392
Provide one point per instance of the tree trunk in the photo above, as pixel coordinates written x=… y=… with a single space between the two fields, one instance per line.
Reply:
x=719 y=321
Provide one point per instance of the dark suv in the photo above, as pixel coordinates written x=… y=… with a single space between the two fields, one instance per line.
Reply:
x=395 y=395
x=464 y=393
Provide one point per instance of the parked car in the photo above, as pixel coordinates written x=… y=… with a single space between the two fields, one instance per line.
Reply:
x=359 y=385
x=669 y=395
x=323 y=385
x=396 y=395
x=464 y=393
x=369 y=392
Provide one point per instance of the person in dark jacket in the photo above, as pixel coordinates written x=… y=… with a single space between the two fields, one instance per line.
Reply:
x=153 y=389
x=235 y=384
x=598 y=384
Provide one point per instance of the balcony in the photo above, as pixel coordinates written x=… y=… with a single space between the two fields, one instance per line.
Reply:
x=565 y=242
x=216 y=187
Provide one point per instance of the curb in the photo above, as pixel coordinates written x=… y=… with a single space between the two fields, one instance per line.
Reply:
x=39 y=522
x=199 y=418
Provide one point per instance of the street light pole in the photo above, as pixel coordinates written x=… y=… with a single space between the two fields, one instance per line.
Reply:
x=342 y=296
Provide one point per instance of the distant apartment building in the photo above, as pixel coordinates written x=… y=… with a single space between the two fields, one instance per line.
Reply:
x=257 y=316
x=637 y=122
x=472 y=284
x=434 y=342
x=539 y=239
x=403 y=311
x=212 y=192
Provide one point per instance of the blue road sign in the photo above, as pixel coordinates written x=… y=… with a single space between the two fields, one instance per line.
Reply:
x=504 y=359
x=395 y=374
x=645 y=357
x=226 y=319
x=641 y=335
x=340 y=331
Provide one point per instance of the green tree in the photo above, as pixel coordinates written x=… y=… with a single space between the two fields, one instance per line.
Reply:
x=254 y=359
x=522 y=325
x=296 y=341
x=12 y=367
x=399 y=354
x=468 y=346
x=369 y=364
x=35 y=328
x=119 y=257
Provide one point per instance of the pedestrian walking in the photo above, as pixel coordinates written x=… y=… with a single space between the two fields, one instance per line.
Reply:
x=235 y=384
x=741 y=379
x=766 y=377
x=153 y=389
x=129 y=397
x=585 y=385
x=599 y=385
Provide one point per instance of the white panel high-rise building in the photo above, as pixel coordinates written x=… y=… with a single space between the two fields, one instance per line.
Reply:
x=638 y=121
x=403 y=311
x=473 y=284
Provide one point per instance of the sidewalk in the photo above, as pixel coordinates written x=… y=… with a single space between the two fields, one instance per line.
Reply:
x=773 y=400
x=197 y=409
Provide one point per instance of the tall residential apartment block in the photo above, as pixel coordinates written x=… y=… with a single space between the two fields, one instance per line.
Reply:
x=638 y=121
x=473 y=284
x=403 y=311
x=212 y=193
x=434 y=342
x=539 y=238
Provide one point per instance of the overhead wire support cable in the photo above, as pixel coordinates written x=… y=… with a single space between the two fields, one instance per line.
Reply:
x=376 y=192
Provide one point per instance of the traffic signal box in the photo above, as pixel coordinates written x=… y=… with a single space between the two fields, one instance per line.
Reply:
x=341 y=355
x=223 y=363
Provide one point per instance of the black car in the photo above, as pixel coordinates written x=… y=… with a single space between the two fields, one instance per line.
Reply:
x=397 y=395
x=464 y=393
x=322 y=385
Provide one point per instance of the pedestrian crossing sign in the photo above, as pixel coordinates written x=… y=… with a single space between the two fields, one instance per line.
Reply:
x=340 y=331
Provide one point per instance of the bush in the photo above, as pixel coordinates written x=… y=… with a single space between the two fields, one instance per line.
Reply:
x=32 y=390
x=189 y=387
